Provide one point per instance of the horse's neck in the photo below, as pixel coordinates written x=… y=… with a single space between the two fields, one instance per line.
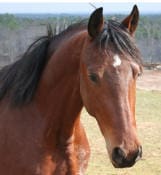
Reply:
x=58 y=95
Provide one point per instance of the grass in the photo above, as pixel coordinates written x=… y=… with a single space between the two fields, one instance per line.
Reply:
x=148 y=111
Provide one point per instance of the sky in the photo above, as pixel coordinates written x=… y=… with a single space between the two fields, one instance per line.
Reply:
x=72 y=7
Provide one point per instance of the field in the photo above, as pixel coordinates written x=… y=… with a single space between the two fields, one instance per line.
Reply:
x=148 y=111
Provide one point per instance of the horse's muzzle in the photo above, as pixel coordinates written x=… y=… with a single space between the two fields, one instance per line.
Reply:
x=120 y=160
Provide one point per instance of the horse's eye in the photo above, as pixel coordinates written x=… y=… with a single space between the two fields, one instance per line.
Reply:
x=137 y=71
x=137 y=74
x=93 y=77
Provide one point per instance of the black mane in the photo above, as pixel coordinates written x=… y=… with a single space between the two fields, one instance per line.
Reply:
x=20 y=79
x=116 y=35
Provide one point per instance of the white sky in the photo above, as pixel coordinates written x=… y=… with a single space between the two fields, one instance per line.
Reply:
x=38 y=6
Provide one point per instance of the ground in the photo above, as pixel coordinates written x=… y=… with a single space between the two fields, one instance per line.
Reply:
x=150 y=80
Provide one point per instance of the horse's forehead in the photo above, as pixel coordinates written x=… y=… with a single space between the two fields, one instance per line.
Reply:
x=118 y=68
x=114 y=61
x=100 y=59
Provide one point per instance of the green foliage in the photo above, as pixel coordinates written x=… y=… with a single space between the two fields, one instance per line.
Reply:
x=148 y=34
x=149 y=26
x=9 y=21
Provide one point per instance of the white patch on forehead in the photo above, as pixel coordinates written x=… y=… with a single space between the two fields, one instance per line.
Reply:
x=117 y=61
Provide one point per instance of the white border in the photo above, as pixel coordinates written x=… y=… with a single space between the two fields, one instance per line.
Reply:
x=79 y=1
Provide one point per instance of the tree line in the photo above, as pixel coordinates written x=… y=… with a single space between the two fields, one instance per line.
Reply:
x=19 y=31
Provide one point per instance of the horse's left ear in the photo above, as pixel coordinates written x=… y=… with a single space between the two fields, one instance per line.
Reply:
x=131 y=21
x=95 y=24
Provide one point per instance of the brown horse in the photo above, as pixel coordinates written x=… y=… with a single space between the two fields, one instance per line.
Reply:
x=41 y=97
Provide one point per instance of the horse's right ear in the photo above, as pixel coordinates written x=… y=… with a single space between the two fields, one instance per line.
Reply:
x=95 y=24
x=131 y=22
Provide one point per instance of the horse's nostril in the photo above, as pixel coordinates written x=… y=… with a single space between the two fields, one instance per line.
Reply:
x=118 y=155
x=120 y=160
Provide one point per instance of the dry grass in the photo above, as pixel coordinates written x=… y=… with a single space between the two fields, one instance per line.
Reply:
x=149 y=130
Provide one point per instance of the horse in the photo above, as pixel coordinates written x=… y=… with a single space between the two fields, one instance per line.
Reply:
x=92 y=63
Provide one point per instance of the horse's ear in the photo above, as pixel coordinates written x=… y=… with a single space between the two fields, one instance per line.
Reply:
x=95 y=24
x=131 y=21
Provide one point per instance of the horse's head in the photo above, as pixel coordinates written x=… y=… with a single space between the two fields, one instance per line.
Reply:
x=110 y=65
